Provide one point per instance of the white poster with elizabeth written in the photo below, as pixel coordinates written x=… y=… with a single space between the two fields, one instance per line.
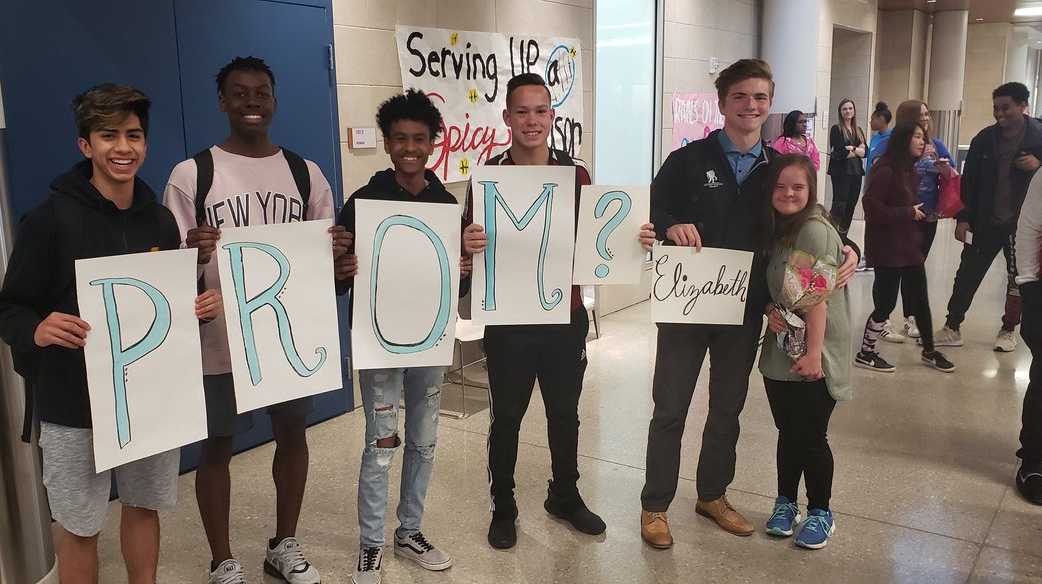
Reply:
x=607 y=244
x=404 y=300
x=466 y=73
x=144 y=365
x=709 y=286
x=280 y=310
x=524 y=276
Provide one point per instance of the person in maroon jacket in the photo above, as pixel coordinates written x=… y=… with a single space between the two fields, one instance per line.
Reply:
x=893 y=246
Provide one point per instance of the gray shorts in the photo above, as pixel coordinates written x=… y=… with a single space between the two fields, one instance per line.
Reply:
x=222 y=421
x=79 y=497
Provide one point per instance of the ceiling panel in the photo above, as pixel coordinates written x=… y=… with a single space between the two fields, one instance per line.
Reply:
x=980 y=10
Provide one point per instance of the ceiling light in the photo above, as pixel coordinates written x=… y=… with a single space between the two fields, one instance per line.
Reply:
x=1028 y=11
x=980 y=20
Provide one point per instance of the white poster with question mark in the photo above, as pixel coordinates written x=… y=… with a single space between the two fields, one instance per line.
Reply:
x=607 y=245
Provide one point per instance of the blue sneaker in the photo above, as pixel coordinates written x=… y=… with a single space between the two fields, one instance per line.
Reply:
x=815 y=532
x=786 y=515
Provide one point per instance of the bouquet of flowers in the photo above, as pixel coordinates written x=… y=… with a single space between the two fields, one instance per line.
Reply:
x=807 y=281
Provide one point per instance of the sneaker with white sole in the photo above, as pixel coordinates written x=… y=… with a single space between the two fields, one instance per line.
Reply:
x=815 y=532
x=367 y=571
x=890 y=335
x=1006 y=341
x=784 y=519
x=227 y=572
x=938 y=361
x=947 y=337
x=415 y=547
x=911 y=329
x=287 y=563
x=873 y=362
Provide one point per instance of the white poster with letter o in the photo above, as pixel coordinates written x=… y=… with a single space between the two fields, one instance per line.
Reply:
x=525 y=274
x=607 y=244
x=144 y=366
x=405 y=296
x=699 y=287
x=280 y=310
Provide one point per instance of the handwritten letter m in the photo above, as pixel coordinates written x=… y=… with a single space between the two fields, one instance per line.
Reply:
x=494 y=199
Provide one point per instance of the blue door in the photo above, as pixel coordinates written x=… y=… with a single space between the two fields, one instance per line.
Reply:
x=295 y=40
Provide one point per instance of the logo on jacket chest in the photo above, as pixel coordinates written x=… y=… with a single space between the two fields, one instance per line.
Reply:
x=712 y=182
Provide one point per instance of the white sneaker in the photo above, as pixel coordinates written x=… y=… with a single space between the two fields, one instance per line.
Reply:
x=367 y=571
x=947 y=337
x=287 y=563
x=911 y=329
x=418 y=549
x=890 y=335
x=1006 y=341
x=228 y=572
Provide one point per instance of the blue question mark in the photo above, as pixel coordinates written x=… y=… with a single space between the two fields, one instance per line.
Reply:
x=625 y=203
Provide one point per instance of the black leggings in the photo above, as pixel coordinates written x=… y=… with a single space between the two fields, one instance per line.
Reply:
x=846 y=188
x=912 y=282
x=801 y=412
x=929 y=231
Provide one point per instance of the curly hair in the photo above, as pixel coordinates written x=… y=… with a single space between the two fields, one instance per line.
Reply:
x=412 y=105
x=244 y=64
x=109 y=104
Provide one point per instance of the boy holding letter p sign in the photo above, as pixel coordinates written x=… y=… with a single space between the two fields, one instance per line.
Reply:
x=98 y=208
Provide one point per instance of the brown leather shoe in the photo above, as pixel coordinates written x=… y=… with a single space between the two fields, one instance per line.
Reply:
x=654 y=528
x=720 y=511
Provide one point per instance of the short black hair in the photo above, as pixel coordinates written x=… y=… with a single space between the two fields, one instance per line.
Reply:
x=108 y=104
x=244 y=64
x=412 y=105
x=1016 y=90
x=518 y=81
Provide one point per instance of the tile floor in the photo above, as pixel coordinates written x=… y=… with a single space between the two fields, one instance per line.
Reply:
x=923 y=488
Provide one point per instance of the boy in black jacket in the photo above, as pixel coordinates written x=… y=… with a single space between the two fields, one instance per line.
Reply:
x=711 y=192
x=410 y=123
x=99 y=208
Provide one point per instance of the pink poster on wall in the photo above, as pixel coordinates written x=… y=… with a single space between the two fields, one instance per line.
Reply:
x=695 y=115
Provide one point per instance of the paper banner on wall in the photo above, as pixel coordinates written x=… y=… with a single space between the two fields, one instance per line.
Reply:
x=144 y=365
x=607 y=248
x=466 y=74
x=280 y=309
x=407 y=288
x=525 y=274
x=695 y=115
x=699 y=287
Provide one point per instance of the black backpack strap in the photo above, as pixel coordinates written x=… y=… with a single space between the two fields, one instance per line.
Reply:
x=298 y=167
x=203 y=182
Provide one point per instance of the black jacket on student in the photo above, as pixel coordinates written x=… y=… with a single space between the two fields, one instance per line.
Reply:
x=75 y=222
x=384 y=187
x=840 y=161
x=697 y=185
x=981 y=171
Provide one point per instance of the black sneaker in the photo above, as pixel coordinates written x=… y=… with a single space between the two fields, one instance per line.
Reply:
x=502 y=532
x=938 y=361
x=572 y=509
x=873 y=362
x=1029 y=483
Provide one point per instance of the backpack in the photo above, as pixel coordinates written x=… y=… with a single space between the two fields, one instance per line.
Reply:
x=204 y=180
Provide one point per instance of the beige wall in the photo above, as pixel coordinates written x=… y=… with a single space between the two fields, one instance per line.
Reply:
x=367 y=58
x=695 y=32
x=985 y=70
x=901 y=58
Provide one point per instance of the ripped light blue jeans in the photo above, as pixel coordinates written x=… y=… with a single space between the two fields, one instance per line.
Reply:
x=381 y=395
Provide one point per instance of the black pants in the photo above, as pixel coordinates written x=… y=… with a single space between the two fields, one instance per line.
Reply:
x=517 y=356
x=1031 y=418
x=801 y=411
x=681 y=350
x=929 y=231
x=973 y=266
x=846 y=188
x=888 y=282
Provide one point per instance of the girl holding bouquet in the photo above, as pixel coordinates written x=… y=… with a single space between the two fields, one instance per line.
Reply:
x=894 y=247
x=805 y=363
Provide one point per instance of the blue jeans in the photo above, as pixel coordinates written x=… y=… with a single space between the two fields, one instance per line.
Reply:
x=381 y=395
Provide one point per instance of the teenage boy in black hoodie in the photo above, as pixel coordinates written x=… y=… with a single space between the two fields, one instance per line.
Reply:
x=410 y=123
x=712 y=193
x=99 y=208
x=555 y=354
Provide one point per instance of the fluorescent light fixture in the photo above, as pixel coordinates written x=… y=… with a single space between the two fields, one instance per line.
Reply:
x=1028 y=11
